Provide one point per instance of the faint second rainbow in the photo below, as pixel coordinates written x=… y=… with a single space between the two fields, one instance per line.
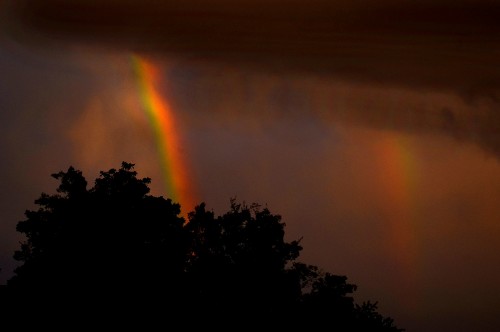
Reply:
x=397 y=167
x=172 y=161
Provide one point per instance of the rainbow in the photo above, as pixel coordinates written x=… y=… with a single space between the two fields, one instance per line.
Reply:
x=398 y=178
x=162 y=120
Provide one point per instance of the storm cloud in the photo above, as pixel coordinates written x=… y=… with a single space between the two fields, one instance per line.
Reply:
x=447 y=46
x=452 y=45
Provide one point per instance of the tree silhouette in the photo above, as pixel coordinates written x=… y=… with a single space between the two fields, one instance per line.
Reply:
x=116 y=246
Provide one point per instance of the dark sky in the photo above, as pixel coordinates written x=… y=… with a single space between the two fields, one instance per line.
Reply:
x=373 y=129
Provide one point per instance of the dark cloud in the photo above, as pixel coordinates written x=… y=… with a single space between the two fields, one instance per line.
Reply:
x=449 y=46
x=444 y=44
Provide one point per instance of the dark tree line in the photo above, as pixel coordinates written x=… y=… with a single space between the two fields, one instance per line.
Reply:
x=116 y=254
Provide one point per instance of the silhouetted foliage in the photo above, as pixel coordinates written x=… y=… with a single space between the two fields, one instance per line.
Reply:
x=116 y=248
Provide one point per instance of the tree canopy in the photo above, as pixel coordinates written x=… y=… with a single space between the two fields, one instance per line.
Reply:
x=116 y=246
